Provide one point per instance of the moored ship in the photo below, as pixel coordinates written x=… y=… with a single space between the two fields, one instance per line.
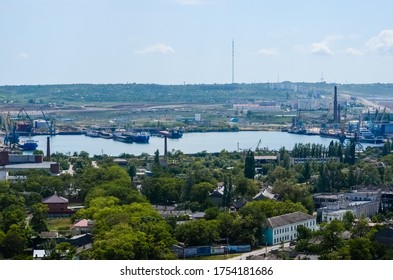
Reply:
x=28 y=145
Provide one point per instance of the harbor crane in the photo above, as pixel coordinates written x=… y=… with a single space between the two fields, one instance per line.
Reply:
x=49 y=123
x=259 y=143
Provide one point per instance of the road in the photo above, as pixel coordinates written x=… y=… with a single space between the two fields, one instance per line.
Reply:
x=259 y=252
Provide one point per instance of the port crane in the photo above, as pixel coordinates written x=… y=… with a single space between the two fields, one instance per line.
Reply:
x=259 y=143
x=49 y=123
x=11 y=138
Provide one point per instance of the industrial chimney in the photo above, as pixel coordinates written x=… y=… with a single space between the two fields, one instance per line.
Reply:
x=47 y=147
x=335 y=108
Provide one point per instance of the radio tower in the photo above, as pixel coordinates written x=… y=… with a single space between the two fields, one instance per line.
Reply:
x=233 y=61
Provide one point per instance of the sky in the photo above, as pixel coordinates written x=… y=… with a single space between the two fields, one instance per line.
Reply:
x=190 y=41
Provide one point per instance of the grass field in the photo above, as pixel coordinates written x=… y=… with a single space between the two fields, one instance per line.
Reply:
x=59 y=223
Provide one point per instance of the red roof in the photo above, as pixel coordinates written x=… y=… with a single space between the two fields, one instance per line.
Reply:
x=82 y=223
x=55 y=199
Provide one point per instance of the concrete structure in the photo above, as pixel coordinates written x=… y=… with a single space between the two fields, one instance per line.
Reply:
x=334 y=206
x=51 y=167
x=14 y=162
x=284 y=228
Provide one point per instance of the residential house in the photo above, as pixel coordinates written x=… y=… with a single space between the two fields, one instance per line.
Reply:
x=82 y=226
x=58 y=206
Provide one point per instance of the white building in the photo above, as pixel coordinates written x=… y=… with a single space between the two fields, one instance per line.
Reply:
x=359 y=203
x=284 y=228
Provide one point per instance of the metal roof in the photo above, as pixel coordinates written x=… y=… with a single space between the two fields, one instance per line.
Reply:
x=55 y=199
x=288 y=219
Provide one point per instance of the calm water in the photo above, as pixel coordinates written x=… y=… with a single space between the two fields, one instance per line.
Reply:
x=190 y=143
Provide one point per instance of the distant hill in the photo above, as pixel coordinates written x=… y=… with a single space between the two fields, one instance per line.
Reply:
x=154 y=93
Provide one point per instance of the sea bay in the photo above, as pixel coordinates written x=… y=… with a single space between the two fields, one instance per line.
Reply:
x=190 y=143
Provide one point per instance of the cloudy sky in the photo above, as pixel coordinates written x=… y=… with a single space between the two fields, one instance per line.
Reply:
x=190 y=41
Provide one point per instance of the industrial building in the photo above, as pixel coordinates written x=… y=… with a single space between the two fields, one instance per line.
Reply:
x=16 y=162
x=334 y=206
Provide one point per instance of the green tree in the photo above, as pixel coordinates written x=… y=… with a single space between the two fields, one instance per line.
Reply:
x=134 y=231
x=331 y=234
x=303 y=232
x=39 y=213
x=249 y=165
x=197 y=232
x=157 y=157
x=131 y=172
x=15 y=242
x=61 y=251
x=360 y=249
x=348 y=220
x=200 y=192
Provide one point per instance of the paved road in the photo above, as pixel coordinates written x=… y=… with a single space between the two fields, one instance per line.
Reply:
x=259 y=252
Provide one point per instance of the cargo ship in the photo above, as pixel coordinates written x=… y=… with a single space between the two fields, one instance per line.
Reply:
x=122 y=137
x=28 y=145
x=138 y=137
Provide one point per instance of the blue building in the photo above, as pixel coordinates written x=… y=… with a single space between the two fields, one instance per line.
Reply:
x=284 y=228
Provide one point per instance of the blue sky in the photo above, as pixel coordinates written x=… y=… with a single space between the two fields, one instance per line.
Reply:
x=189 y=41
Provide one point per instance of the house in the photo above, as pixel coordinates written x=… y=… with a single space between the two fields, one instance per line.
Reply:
x=58 y=206
x=82 y=226
x=216 y=196
x=283 y=228
x=266 y=193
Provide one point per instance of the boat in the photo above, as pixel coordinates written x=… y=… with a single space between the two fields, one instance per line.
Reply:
x=297 y=130
x=122 y=137
x=105 y=135
x=92 y=133
x=175 y=134
x=366 y=136
x=28 y=145
x=330 y=133
x=139 y=137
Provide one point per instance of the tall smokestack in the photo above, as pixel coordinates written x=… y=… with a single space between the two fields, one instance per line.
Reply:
x=47 y=147
x=165 y=146
x=335 y=111
x=338 y=113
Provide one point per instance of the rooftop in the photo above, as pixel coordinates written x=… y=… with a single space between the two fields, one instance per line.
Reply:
x=55 y=199
x=288 y=219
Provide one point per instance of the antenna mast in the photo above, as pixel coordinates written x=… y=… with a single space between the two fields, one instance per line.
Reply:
x=233 y=61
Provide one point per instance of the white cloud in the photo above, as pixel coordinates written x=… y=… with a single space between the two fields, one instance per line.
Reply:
x=267 y=52
x=324 y=47
x=383 y=42
x=157 y=48
x=321 y=48
x=23 y=55
x=354 y=52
